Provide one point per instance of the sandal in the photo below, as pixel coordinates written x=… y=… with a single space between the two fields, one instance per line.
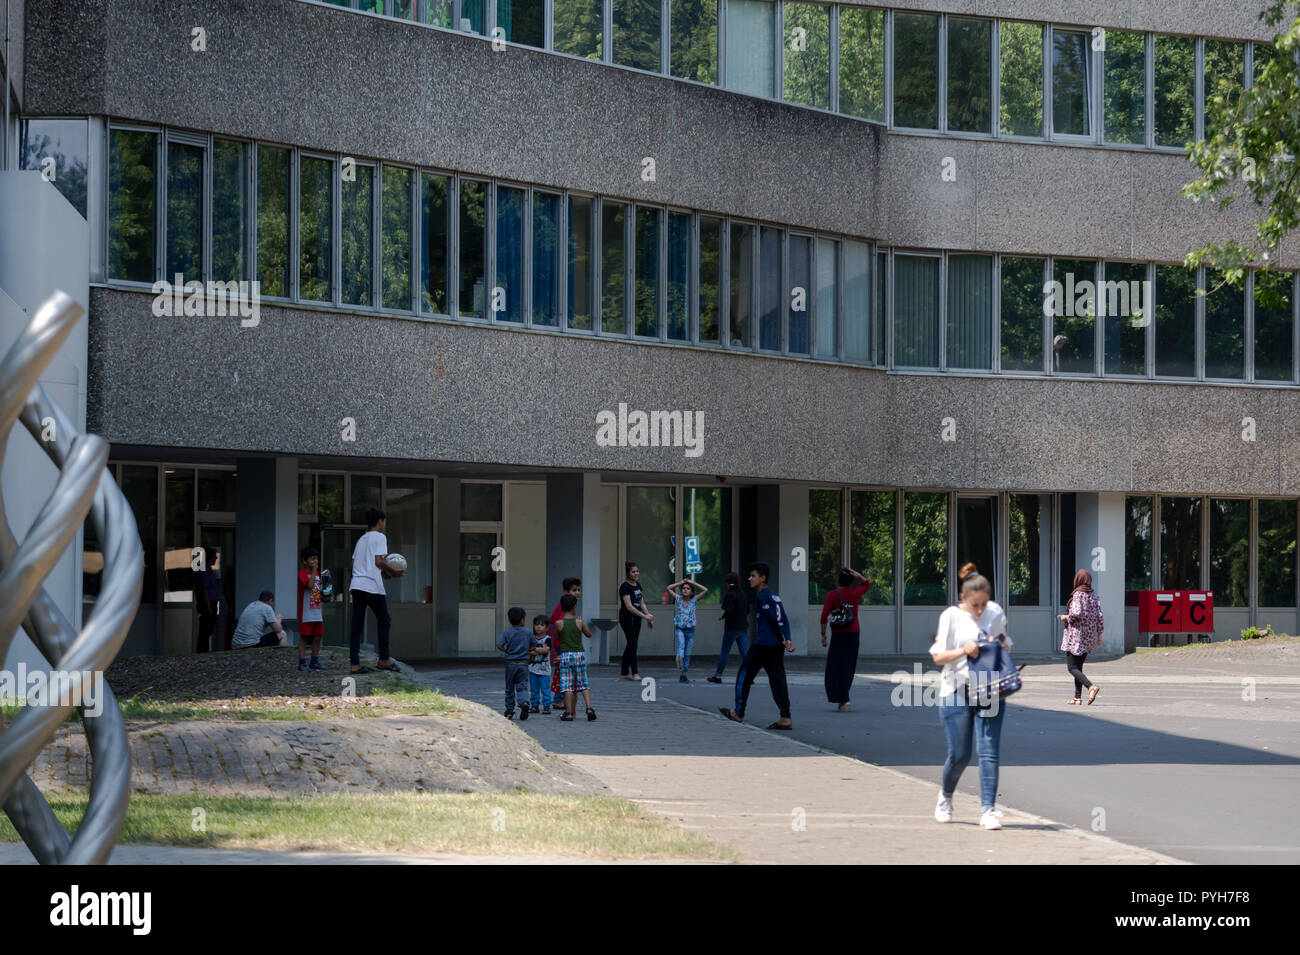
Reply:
x=778 y=726
x=566 y=718
x=358 y=670
x=730 y=714
x=1075 y=701
x=1092 y=694
x=391 y=668
x=591 y=715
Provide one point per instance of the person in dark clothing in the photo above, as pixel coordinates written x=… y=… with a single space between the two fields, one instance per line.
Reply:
x=735 y=623
x=771 y=643
x=842 y=658
x=631 y=611
x=207 y=599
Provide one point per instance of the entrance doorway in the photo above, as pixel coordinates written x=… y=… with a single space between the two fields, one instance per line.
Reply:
x=219 y=541
x=977 y=537
x=481 y=598
x=337 y=545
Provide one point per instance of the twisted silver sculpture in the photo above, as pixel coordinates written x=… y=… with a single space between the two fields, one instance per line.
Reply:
x=83 y=486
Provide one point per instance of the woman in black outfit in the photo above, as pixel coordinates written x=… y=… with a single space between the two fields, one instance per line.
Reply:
x=631 y=611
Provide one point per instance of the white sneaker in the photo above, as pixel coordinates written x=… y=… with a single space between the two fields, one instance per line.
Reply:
x=943 y=811
x=990 y=820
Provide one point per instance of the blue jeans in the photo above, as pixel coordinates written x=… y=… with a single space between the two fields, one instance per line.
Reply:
x=685 y=640
x=539 y=689
x=517 y=677
x=959 y=720
x=728 y=638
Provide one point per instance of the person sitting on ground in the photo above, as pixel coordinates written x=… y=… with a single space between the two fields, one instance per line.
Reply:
x=259 y=625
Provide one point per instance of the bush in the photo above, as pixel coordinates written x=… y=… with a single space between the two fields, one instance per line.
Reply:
x=1254 y=633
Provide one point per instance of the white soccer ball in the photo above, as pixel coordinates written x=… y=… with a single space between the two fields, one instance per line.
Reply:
x=396 y=562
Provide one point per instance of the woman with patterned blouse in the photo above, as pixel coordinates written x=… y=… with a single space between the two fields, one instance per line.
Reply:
x=1083 y=627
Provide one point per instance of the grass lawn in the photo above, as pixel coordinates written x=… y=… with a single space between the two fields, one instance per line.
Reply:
x=472 y=823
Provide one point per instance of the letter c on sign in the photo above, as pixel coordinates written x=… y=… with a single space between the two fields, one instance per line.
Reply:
x=1196 y=611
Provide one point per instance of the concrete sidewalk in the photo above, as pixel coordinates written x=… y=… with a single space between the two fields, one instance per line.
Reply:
x=776 y=800
x=17 y=854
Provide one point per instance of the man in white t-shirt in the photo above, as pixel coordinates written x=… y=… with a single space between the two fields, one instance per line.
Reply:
x=368 y=572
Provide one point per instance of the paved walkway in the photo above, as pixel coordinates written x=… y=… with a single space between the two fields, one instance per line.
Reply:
x=776 y=800
x=15 y=854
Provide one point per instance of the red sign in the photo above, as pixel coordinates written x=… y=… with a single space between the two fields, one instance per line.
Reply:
x=1175 y=611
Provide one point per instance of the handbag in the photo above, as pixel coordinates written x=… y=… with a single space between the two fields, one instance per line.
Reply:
x=842 y=616
x=993 y=673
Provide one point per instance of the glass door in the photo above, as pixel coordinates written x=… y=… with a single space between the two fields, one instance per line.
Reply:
x=218 y=541
x=337 y=544
x=481 y=617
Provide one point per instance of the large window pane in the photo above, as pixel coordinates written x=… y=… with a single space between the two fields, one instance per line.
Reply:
x=1022 y=314
x=1021 y=109
x=1071 y=82
x=579 y=28
x=807 y=54
x=132 y=202
x=742 y=282
x=857 y=301
x=679 y=276
x=1175 y=322
x=1030 y=562
x=365 y=494
x=970 y=75
x=408 y=502
x=862 y=62
x=66 y=142
x=1073 y=345
x=1175 y=95
x=636 y=33
x=827 y=271
x=508 y=292
x=1225 y=329
x=751 y=31
x=229 y=208
x=580 y=272
x=358 y=236
x=1137 y=550
x=800 y=295
x=916 y=70
x=710 y=277
x=871 y=543
x=646 y=273
x=970 y=311
x=880 y=311
x=925 y=549
x=1124 y=111
x=435 y=216
x=823 y=543
x=1277 y=554
x=140 y=488
x=471 y=16
x=273 y=220
x=1225 y=77
x=694 y=46
x=395 y=238
x=916 y=311
x=178 y=535
x=770 y=299
x=315 y=228
x=1273 y=346
x=184 y=212
x=1230 y=551
x=1125 y=306
x=480 y=502
x=613 y=262
x=706 y=514
x=1180 y=543
x=546 y=259
x=651 y=521
x=1068 y=532
x=523 y=21
x=473 y=248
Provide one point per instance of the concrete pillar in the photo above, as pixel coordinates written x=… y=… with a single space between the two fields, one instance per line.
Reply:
x=1099 y=548
x=266 y=532
x=446 y=564
x=573 y=545
x=792 y=520
x=44 y=247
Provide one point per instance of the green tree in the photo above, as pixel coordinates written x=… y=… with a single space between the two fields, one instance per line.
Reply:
x=1251 y=152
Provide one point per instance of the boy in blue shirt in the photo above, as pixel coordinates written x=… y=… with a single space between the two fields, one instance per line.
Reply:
x=771 y=643
x=516 y=643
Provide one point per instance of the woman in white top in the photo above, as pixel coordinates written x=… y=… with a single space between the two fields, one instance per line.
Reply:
x=960 y=628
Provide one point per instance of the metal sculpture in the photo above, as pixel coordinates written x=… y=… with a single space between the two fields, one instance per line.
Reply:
x=83 y=487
